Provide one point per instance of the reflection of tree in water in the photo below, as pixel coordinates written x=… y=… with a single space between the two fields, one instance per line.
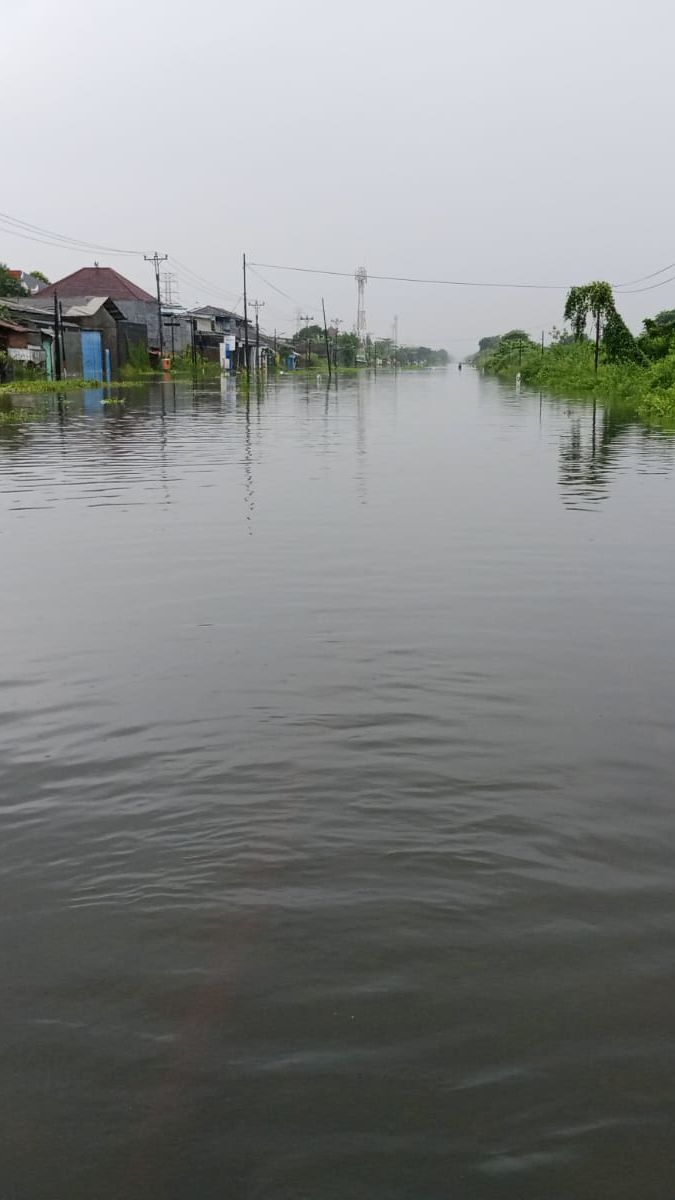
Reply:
x=588 y=453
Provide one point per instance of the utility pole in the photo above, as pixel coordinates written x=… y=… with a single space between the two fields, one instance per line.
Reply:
x=257 y=305
x=156 y=259
x=64 y=364
x=337 y=322
x=396 y=343
x=308 y=345
x=542 y=343
x=325 y=334
x=172 y=324
x=246 y=351
x=57 y=338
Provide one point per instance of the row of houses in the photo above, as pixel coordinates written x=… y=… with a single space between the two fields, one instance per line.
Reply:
x=95 y=322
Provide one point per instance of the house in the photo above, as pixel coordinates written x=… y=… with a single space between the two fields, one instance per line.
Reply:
x=13 y=344
x=30 y=283
x=96 y=339
x=137 y=306
x=229 y=327
x=35 y=343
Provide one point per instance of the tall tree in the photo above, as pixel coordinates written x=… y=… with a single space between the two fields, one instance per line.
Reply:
x=596 y=299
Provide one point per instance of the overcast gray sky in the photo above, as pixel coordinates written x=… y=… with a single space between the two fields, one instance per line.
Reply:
x=465 y=139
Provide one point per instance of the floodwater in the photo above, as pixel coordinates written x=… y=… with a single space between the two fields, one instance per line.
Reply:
x=337 y=841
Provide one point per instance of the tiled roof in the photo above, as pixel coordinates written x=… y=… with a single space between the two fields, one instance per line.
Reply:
x=97 y=281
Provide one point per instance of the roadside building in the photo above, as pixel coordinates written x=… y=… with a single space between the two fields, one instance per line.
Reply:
x=136 y=305
x=30 y=283
x=96 y=340
x=229 y=327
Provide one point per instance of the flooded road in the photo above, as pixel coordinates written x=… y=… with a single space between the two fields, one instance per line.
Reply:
x=336 y=773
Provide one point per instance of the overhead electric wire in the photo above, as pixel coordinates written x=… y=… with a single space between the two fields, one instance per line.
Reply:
x=201 y=278
x=29 y=231
x=274 y=288
x=643 y=278
x=551 y=287
x=650 y=288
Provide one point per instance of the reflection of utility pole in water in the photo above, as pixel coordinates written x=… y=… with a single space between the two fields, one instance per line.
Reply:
x=248 y=472
x=360 y=449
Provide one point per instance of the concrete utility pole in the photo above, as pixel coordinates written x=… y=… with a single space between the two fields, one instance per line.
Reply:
x=308 y=346
x=336 y=322
x=57 y=338
x=246 y=349
x=157 y=259
x=257 y=305
x=325 y=334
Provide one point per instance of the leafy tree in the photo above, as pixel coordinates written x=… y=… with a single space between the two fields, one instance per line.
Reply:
x=488 y=343
x=562 y=337
x=658 y=336
x=41 y=276
x=596 y=299
x=516 y=335
x=348 y=345
x=619 y=343
x=9 y=286
x=666 y=317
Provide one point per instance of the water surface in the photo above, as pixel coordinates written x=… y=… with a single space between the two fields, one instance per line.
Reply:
x=336 y=772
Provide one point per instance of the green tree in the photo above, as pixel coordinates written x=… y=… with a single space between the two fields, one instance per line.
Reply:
x=596 y=299
x=41 y=276
x=619 y=343
x=9 y=286
x=516 y=335
x=348 y=345
x=666 y=317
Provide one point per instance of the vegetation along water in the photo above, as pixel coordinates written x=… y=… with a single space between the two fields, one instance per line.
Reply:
x=611 y=364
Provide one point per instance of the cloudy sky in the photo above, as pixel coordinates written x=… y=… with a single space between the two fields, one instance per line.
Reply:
x=458 y=139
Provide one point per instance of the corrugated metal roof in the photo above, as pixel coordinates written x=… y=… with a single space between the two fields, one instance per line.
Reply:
x=87 y=309
x=11 y=327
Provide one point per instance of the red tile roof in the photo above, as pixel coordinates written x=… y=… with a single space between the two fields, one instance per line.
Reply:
x=96 y=281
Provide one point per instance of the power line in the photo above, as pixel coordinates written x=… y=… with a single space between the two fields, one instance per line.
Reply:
x=274 y=288
x=26 y=229
x=642 y=278
x=549 y=287
x=650 y=288
x=553 y=287
x=201 y=278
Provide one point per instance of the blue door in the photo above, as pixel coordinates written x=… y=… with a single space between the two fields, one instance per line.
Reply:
x=92 y=354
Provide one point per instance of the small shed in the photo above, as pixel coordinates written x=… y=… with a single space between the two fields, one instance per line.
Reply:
x=99 y=319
